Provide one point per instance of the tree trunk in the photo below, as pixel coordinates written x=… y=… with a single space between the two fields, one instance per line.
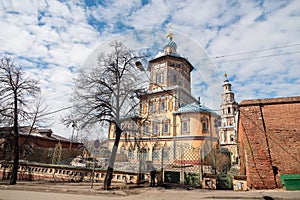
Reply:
x=14 y=175
x=110 y=168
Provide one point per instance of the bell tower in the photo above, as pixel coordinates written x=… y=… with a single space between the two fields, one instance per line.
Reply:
x=228 y=129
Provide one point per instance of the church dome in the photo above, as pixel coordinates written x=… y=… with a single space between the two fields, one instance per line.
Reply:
x=170 y=46
x=170 y=42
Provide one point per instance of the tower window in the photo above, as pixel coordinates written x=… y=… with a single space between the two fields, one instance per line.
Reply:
x=159 y=78
x=229 y=111
x=174 y=79
x=171 y=64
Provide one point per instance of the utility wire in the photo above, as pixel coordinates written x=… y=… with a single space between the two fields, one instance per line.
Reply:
x=254 y=51
x=56 y=111
x=258 y=57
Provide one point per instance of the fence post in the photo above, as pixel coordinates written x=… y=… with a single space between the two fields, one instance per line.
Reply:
x=201 y=165
x=162 y=159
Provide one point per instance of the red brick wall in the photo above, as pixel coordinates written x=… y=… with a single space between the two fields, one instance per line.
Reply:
x=270 y=150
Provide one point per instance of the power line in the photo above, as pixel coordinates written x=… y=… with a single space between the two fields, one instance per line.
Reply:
x=258 y=57
x=56 y=111
x=254 y=51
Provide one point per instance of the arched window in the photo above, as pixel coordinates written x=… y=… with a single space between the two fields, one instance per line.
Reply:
x=204 y=122
x=155 y=153
x=159 y=78
x=185 y=125
x=165 y=153
x=166 y=126
x=151 y=107
x=155 y=127
x=147 y=129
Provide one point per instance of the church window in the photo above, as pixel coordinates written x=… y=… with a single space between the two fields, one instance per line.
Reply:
x=155 y=153
x=171 y=64
x=166 y=127
x=174 y=79
x=147 y=127
x=151 y=107
x=204 y=122
x=185 y=125
x=162 y=105
x=155 y=127
x=159 y=78
x=165 y=153
x=229 y=111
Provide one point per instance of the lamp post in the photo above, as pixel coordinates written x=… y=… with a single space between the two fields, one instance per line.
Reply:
x=73 y=130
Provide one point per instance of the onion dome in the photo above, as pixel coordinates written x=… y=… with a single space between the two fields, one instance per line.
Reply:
x=170 y=46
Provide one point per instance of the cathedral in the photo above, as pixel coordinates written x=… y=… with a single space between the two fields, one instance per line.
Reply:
x=175 y=128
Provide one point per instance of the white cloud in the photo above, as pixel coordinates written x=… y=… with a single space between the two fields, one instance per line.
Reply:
x=56 y=37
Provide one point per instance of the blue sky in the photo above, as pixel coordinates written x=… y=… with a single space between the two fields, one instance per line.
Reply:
x=256 y=42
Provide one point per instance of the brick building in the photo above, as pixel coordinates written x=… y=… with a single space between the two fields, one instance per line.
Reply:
x=38 y=145
x=269 y=140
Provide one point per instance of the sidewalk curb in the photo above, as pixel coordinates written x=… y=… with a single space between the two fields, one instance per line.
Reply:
x=119 y=190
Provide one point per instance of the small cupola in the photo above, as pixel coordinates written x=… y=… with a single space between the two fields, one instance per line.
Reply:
x=170 y=46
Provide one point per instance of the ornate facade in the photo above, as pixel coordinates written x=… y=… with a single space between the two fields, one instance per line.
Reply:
x=172 y=124
x=228 y=129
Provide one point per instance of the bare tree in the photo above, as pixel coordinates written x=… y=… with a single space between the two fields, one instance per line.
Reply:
x=107 y=93
x=16 y=94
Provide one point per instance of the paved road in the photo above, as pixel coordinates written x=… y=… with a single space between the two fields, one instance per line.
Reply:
x=73 y=191
x=148 y=194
